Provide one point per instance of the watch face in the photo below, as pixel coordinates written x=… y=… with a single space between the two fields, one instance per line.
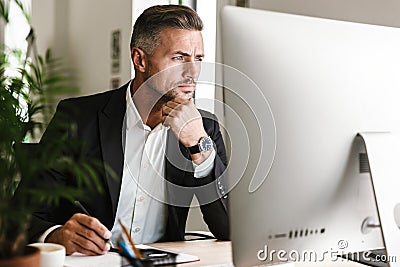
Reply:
x=205 y=144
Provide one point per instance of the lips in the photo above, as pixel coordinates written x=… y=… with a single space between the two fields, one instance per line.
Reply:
x=187 y=88
x=187 y=85
x=186 y=91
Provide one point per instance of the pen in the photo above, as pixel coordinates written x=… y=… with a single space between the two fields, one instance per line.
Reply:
x=125 y=252
x=137 y=252
x=82 y=208
x=122 y=245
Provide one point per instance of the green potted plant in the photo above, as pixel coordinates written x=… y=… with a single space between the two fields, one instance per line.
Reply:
x=25 y=108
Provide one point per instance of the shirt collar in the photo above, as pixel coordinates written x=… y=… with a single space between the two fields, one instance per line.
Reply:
x=132 y=112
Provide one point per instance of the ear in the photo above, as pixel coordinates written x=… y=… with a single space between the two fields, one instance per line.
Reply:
x=138 y=59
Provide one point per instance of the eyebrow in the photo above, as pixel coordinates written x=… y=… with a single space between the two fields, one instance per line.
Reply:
x=186 y=54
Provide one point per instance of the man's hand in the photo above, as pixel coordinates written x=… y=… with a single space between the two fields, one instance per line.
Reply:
x=83 y=234
x=186 y=123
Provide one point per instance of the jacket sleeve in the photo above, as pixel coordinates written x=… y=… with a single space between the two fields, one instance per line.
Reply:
x=45 y=215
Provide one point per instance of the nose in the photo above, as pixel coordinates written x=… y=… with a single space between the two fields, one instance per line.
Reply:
x=192 y=70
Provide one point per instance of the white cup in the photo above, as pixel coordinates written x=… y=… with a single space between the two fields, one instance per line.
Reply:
x=51 y=255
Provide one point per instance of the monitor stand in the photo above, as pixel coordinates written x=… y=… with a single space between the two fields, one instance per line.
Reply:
x=383 y=154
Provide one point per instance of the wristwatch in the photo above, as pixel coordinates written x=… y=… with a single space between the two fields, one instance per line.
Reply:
x=205 y=144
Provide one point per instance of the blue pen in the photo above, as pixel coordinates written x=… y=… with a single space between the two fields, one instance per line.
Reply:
x=125 y=250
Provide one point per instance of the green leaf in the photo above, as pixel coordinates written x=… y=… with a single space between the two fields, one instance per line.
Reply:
x=4 y=10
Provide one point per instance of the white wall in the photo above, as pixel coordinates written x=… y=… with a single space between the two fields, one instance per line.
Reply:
x=218 y=58
x=380 y=12
x=80 y=32
x=43 y=23
x=91 y=23
x=2 y=25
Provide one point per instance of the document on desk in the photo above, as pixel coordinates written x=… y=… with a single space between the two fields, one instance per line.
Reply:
x=113 y=259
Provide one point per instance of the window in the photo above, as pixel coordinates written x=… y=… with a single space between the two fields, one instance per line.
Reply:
x=15 y=33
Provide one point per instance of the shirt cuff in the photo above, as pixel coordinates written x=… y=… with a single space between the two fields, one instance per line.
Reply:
x=43 y=237
x=205 y=168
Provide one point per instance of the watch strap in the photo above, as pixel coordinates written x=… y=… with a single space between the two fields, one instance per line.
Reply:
x=194 y=149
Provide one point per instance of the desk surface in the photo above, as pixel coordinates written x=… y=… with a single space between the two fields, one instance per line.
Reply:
x=211 y=253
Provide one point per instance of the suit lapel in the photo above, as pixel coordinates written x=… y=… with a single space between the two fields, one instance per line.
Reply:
x=110 y=127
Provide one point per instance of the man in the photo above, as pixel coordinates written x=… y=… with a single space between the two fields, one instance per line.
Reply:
x=162 y=149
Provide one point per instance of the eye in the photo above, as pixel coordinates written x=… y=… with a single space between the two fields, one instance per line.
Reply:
x=178 y=58
x=198 y=59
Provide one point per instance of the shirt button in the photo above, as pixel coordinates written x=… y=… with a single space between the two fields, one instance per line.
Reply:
x=137 y=229
x=145 y=165
x=141 y=198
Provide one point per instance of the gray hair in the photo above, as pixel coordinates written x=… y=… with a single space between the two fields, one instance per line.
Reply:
x=146 y=31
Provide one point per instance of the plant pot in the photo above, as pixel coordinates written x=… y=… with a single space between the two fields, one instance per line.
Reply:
x=31 y=258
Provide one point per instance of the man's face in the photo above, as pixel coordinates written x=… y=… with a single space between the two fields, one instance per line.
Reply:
x=174 y=66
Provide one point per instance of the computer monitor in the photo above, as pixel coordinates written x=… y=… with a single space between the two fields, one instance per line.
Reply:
x=298 y=90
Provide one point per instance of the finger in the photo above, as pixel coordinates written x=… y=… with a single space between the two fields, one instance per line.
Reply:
x=167 y=111
x=93 y=224
x=178 y=106
x=87 y=246
x=180 y=100
x=92 y=236
x=172 y=104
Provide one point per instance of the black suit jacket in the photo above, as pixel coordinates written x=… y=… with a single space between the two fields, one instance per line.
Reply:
x=97 y=121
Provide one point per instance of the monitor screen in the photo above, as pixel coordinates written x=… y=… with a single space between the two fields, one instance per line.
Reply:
x=298 y=90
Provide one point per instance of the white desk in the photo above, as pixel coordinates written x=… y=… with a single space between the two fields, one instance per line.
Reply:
x=211 y=253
